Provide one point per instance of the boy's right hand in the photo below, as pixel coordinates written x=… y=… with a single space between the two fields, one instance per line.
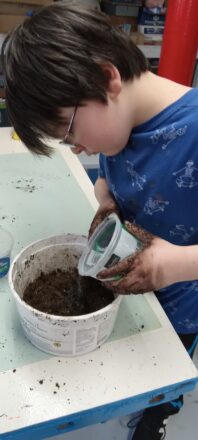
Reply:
x=102 y=212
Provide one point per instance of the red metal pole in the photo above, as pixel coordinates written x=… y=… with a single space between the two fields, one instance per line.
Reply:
x=180 y=41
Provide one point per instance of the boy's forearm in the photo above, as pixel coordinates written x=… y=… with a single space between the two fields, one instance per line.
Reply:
x=186 y=263
x=102 y=193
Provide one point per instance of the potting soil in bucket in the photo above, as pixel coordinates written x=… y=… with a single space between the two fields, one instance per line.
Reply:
x=61 y=313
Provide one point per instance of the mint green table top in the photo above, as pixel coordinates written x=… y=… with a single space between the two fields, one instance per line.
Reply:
x=40 y=197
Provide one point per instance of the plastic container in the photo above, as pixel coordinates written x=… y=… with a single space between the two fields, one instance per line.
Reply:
x=109 y=244
x=6 y=243
x=58 y=335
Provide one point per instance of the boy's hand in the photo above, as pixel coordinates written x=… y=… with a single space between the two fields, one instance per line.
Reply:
x=150 y=268
x=102 y=212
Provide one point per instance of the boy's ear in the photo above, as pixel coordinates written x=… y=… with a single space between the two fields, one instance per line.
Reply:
x=114 y=82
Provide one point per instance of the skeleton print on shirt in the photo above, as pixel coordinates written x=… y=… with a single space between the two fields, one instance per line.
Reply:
x=167 y=135
x=152 y=206
x=187 y=176
x=136 y=180
x=181 y=231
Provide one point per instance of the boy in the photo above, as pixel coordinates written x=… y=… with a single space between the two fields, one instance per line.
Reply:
x=72 y=76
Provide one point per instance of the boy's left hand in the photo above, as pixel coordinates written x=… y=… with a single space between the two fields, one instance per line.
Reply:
x=150 y=268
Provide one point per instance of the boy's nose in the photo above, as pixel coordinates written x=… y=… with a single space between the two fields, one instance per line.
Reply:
x=77 y=150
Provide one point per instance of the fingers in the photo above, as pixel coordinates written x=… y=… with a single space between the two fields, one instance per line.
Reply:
x=96 y=221
x=127 y=287
x=136 y=281
x=120 y=268
x=145 y=237
x=136 y=277
x=100 y=216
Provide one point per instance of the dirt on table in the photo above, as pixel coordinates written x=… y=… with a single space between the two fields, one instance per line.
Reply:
x=67 y=294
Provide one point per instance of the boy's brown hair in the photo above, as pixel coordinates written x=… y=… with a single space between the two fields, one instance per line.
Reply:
x=54 y=59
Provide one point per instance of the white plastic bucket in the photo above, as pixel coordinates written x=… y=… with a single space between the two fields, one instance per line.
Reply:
x=58 y=335
x=109 y=244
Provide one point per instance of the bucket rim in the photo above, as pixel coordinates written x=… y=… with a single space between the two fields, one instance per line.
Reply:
x=49 y=316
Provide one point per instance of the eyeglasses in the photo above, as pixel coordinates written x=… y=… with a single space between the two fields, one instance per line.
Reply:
x=69 y=137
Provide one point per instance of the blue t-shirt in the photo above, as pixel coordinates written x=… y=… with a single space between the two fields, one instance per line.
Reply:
x=155 y=182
